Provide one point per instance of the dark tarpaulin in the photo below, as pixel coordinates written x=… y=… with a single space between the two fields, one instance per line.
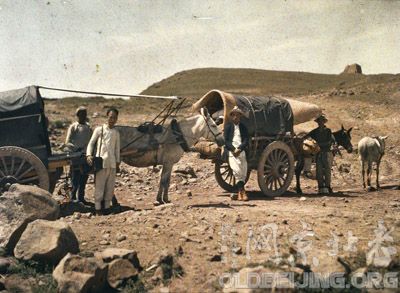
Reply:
x=23 y=122
x=266 y=115
x=16 y=99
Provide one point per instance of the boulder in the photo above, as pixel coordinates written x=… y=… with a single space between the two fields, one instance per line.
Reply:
x=78 y=274
x=19 y=206
x=46 y=241
x=120 y=271
x=4 y=264
x=16 y=283
x=353 y=69
x=110 y=254
x=167 y=265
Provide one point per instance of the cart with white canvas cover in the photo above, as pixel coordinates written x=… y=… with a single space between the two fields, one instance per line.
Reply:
x=270 y=123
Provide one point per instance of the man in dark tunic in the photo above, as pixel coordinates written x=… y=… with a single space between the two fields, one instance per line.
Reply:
x=323 y=136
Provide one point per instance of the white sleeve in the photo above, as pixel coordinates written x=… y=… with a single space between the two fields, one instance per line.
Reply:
x=92 y=142
x=118 y=149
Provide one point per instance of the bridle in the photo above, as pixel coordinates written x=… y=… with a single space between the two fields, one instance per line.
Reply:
x=209 y=127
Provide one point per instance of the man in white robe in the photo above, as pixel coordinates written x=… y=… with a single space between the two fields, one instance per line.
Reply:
x=236 y=143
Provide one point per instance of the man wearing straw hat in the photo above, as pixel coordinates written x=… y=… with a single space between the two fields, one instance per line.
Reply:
x=236 y=143
x=324 y=138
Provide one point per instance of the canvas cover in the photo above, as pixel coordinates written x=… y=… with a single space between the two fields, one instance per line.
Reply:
x=23 y=122
x=11 y=102
x=267 y=116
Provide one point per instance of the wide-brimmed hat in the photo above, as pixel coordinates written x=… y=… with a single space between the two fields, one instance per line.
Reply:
x=80 y=109
x=236 y=109
x=322 y=118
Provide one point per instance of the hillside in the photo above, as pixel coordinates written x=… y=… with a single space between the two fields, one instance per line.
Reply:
x=196 y=82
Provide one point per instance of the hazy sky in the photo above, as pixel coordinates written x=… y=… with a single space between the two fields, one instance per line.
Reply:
x=125 y=45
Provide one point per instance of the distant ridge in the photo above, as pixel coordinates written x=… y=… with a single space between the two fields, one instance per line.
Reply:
x=196 y=82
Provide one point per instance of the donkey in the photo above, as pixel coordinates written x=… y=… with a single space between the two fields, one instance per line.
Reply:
x=177 y=138
x=342 y=138
x=371 y=149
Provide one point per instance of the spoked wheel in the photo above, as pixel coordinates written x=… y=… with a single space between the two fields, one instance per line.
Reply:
x=275 y=169
x=18 y=165
x=224 y=176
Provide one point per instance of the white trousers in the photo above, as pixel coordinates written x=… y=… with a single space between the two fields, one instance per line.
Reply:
x=104 y=187
x=238 y=166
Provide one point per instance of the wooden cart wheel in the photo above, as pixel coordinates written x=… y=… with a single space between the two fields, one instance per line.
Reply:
x=18 y=165
x=275 y=169
x=224 y=176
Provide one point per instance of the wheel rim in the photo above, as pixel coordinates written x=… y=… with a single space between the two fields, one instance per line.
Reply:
x=224 y=176
x=227 y=174
x=19 y=165
x=275 y=169
x=275 y=173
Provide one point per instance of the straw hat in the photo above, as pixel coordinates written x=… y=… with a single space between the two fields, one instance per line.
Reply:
x=321 y=117
x=237 y=110
x=80 y=109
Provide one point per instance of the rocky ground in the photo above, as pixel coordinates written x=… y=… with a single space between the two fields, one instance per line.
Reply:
x=208 y=234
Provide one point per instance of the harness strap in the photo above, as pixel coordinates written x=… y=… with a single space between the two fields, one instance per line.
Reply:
x=179 y=135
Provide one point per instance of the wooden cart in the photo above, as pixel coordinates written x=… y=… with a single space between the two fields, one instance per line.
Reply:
x=271 y=156
x=25 y=152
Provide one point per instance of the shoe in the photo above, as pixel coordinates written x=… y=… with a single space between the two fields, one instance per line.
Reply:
x=330 y=190
x=107 y=212
x=240 y=196
x=244 y=196
x=234 y=196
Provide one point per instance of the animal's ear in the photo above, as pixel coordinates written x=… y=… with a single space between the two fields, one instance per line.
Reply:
x=350 y=129
x=205 y=111
x=384 y=137
x=342 y=127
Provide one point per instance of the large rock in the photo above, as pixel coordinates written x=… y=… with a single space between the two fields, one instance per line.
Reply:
x=19 y=206
x=120 y=271
x=352 y=69
x=46 y=241
x=110 y=254
x=78 y=274
x=4 y=264
x=16 y=283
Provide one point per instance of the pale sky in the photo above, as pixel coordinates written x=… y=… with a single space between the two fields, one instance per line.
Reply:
x=124 y=46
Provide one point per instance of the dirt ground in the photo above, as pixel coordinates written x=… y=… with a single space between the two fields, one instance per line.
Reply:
x=207 y=224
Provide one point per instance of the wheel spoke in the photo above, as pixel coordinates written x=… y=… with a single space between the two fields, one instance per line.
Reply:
x=280 y=182
x=230 y=179
x=20 y=168
x=226 y=170
x=26 y=172
x=12 y=165
x=4 y=165
x=275 y=185
x=227 y=175
x=29 y=179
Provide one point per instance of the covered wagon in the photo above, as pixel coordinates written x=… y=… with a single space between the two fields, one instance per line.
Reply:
x=25 y=151
x=270 y=122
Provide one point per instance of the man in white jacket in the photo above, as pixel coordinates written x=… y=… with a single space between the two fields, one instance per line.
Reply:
x=107 y=142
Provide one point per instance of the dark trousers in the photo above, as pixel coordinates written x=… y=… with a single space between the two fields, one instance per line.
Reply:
x=323 y=170
x=79 y=181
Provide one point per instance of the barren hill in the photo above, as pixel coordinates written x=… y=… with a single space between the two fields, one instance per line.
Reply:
x=196 y=82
